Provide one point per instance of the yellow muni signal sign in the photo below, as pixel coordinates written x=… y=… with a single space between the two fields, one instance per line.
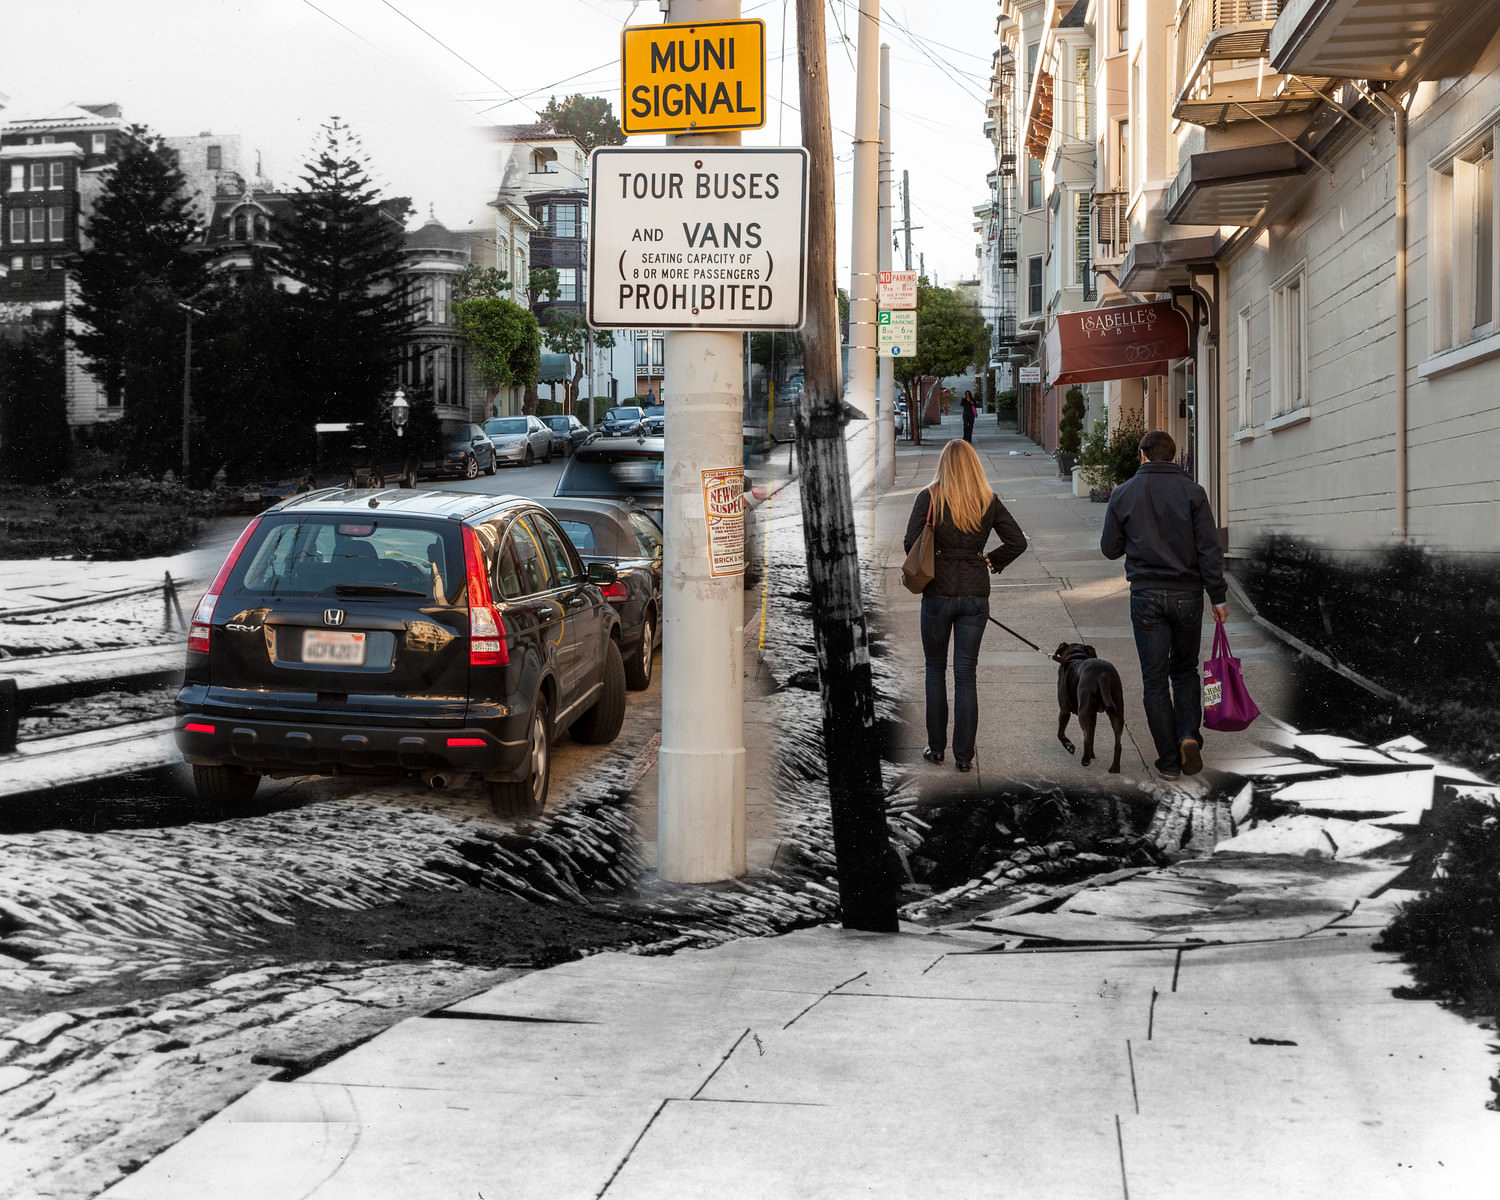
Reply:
x=693 y=78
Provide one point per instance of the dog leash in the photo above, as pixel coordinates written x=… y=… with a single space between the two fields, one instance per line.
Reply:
x=1019 y=638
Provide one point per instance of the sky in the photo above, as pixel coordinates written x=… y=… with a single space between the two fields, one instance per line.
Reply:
x=418 y=82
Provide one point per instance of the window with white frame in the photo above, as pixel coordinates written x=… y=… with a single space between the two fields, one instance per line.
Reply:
x=55 y=170
x=1122 y=24
x=1034 y=285
x=1122 y=155
x=567 y=283
x=1247 y=368
x=1463 y=254
x=17 y=226
x=55 y=223
x=18 y=177
x=1289 y=341
x=38 y=224
x=38 y=176
x=1033 y=183
x=1083 y=100
x=97 y=145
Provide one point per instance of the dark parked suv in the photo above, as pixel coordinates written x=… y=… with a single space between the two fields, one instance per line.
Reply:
x=418 y=633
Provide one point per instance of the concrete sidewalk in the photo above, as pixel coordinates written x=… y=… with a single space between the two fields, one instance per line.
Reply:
x=1221 y=1027
x=1061 y=590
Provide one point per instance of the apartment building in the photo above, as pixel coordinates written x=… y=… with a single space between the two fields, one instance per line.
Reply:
x=1310 y=184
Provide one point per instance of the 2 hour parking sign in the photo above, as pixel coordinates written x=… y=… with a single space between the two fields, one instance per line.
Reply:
x=697 y=237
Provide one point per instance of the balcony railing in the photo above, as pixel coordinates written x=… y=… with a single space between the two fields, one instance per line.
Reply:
x=1222 y=69
x=1111 y=227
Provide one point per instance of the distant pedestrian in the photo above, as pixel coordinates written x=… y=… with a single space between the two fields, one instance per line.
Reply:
x=970 y=412
x=1160 y=520
x=962 y=508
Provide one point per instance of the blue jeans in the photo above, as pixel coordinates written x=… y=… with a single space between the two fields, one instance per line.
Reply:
x=962 y=618
x=1168 y=630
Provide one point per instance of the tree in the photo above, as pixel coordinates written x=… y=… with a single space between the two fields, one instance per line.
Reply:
x=139 y=267
x=769 y=349
x=246 y=383
x=566 y=332
x=590 y=119
x=33 y=409
x=951 y=337
x=343 y=244
x=505 y=342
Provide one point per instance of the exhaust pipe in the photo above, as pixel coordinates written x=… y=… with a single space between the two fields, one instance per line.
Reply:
x=436 y=780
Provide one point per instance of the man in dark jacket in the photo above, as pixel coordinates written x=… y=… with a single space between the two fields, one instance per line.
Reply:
x=1159 y=519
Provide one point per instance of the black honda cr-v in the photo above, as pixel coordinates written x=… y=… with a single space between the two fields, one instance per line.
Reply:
x=420 y=633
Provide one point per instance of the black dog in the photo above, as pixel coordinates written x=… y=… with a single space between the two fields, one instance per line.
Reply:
x=1085 y=684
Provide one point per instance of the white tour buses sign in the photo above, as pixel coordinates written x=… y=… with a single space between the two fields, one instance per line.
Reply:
x=697 y=237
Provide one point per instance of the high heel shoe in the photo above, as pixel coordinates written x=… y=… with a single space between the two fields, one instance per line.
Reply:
x=932 y=756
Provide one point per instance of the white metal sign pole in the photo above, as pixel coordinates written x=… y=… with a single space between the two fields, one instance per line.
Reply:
x=864 y=259
x=885 y=408
x=701 y=775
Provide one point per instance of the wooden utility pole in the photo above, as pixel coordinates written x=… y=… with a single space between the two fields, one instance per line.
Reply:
x=851 y=744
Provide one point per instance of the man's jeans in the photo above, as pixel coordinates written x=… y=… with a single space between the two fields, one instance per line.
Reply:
x=962 y=618
x=1168 y=630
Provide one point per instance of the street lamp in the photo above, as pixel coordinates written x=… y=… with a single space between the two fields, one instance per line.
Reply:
x=400 y=412
x=187 y=385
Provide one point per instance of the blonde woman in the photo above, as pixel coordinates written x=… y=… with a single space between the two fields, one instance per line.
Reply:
x=963 y=509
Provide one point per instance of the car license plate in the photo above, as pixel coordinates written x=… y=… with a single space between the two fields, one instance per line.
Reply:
x=340 y=649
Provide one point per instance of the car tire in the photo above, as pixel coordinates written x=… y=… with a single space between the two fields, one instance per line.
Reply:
x=602 y=722
x=549 y=453
x=527 y=797
x=638 y=669
x=471 y=467
x=225 y=785
x=494 y=464
x=530 y=457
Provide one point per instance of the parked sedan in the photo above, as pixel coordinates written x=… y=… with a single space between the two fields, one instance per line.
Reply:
x=654 y=423
x=568 y=433
x=625 y=420
x=520 y=439
x=465 y=451
x=624 y=537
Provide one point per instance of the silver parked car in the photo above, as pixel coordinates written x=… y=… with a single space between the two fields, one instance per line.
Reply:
x=520 y=440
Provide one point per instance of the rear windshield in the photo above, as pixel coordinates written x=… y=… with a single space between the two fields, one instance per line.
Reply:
x=315 y=555
x=614 y=475
x=506 y=426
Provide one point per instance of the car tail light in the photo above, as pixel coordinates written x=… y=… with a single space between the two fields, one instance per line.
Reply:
x=203 y=616
x=464 y=743
x=197 y=727
x=616 y=592
x=486 y=631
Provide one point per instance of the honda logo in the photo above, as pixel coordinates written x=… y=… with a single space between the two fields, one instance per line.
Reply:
x=333 y=616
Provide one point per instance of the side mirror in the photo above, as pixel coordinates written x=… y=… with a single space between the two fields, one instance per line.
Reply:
x=602 y=573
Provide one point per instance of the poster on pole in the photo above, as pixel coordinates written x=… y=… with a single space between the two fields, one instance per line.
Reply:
x=724 y=509
x=896 y=333
x=697 y=237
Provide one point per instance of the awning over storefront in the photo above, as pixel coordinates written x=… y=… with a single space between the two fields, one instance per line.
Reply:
x=1128 y=341
x=555 y=368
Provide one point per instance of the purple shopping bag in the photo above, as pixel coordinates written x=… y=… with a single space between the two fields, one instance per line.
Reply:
x=1227 y=706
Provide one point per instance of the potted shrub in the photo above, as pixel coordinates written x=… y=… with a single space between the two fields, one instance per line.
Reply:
x=1110 y=458
x=1070 y=430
